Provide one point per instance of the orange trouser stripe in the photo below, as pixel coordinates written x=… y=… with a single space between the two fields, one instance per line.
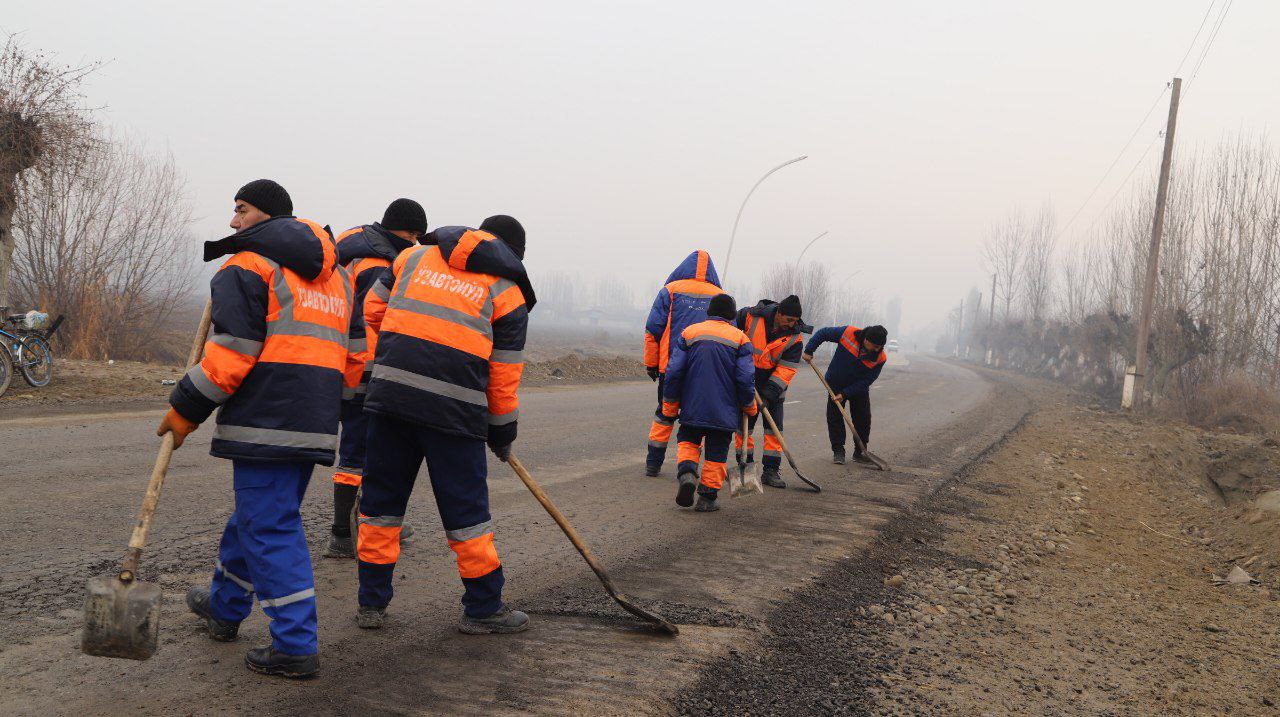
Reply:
x=737 y=441
x=660 y=432
x=686 y=451
x=713 y=474
x=771 y=443
x=378 y=544
x=346 y=478
x=477 y=557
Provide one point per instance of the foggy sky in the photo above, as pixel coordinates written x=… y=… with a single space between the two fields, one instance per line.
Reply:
x=625 y=134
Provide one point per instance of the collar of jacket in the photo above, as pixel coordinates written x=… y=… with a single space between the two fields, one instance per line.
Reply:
x=288 y=241
x=374 y=240
x=490 y=256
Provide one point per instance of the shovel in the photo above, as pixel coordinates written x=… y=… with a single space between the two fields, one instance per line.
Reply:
x=783 y=442
x=648 y=616
x=844 y=411
x=747 y=480
x=122 y=613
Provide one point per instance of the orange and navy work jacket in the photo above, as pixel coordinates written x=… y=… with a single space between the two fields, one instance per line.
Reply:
x=681 y=303
x=853 y=369
x=366 y=252
x=776 y=354
x=710 y=381
x=276 y=356
x=450 y=321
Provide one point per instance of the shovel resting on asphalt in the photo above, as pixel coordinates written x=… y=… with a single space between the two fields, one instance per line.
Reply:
x=768 y=417
x=648 y=616
x=844 y=411
x=122 y=613
x=747 y=480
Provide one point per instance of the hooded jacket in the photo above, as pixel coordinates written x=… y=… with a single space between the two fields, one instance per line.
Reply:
x=450 y=320
x=680 y=303
x=776 y=353
x=852 y=369
x=277 y=352
x=366 y=252
x=710 y=378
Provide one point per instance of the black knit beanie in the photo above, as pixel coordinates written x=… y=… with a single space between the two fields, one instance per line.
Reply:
x=876 y=334
x=790 y=306
x=405 y=215
x=267 y=196
x=508 y=230
x=722 y=306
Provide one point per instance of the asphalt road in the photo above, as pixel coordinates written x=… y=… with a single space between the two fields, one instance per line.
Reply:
x=71 y=484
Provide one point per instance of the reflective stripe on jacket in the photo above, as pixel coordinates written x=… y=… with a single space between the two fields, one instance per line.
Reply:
x=366 y=252
x=851 y=371
x=277 y=350
x=710 y=376
x=449 y=338
x=681 y=303
x=776 y=355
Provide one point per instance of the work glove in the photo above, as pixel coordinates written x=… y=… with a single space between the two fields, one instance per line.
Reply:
x=500 y=440
x=652 y=371
x=179 y=426
x=752 y=409
x=808 y=358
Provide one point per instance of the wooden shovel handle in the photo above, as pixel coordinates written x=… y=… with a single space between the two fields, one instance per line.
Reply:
x=152 y=498
x=768 y=417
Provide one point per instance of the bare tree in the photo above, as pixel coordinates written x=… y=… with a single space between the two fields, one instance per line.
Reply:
x=43 y=119
x=811 y=282
x=1038 y=262
x=104 y=238
x=1003 y=254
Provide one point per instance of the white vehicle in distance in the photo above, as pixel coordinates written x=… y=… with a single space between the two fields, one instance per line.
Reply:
x=892 y=346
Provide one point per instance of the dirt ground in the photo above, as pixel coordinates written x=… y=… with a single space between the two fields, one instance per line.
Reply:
x=1071 y=573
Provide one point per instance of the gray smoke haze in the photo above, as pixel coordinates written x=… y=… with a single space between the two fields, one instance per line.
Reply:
x=625 y=134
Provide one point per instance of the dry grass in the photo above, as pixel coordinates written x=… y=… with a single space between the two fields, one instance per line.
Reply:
x=1235 y=403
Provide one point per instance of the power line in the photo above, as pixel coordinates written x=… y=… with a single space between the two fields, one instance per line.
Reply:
x=1102 y=212
x=1209 y=45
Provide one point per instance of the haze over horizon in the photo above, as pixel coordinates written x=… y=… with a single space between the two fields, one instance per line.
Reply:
x=624 y=136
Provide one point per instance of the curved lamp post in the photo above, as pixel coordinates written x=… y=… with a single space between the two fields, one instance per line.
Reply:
x=724 y=274
x=806 y=248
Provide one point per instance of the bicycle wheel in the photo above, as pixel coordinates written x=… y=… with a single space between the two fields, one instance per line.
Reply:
x=6 y=370
x=35 y=360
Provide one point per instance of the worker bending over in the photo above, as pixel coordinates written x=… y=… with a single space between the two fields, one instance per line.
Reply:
x=774 y=329
x=366 y=252
x=680 y=303
x=855 y=366
x=450 y=320
x=273 y=367
x=710 y=382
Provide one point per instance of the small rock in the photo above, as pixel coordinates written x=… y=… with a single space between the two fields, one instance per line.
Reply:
x=895 y=581
x=1210 y=627
x=1011 y=594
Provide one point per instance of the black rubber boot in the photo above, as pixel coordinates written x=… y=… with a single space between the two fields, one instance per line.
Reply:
x=198 y=603
x=684 y=494
x=837 y=457
x=269 y=662
x=651 y=470
x=340 y=546
x=371 y=618
x=707 y=502
x=503 y=621
x=344 y=501
x=771 y=478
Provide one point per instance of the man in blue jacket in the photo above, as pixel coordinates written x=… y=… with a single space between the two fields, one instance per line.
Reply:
x=709 y=384
x=856 y=365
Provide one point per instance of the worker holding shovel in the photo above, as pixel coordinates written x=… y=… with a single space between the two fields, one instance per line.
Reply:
x=280 y=308
x=856 y=365
x=774 y=329
x=710 y=382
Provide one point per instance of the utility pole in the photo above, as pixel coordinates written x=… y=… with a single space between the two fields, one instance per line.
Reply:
x=1133 y=395
x=977 y=311
x=991 y=319
x=959 y=328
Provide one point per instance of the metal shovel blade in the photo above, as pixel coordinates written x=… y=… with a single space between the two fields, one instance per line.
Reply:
x=122 y=619
x=745 y=481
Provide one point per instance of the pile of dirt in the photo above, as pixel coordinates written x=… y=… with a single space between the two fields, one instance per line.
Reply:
x=578 y=367
x=1072 y=573
x=93 y=382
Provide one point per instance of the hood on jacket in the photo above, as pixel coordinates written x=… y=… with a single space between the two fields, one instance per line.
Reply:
x=481 y=252
x=373 y=241
x=766 y=309
x=696 y=266
x=301 y=245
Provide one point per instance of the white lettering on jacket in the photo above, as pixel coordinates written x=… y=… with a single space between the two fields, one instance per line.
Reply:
x=318 y=301
x=447 y=282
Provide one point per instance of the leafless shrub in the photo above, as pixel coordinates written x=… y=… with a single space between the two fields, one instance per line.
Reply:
x=811 y=282
x=103 y=237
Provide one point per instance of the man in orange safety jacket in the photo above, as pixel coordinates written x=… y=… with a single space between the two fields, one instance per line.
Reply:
x=774 y=329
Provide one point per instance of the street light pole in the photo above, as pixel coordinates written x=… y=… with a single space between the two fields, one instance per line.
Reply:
x=806 y=248
x=724 y=270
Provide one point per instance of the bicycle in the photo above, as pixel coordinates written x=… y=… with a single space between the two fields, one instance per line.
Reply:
x=27 y=350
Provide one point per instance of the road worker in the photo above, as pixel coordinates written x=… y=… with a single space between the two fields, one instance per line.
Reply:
x=856 y=365
x=274 y=367
x=680 y=303
x=450 y=320
x=366 y=252
x=710 y=383
x=774 y=329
